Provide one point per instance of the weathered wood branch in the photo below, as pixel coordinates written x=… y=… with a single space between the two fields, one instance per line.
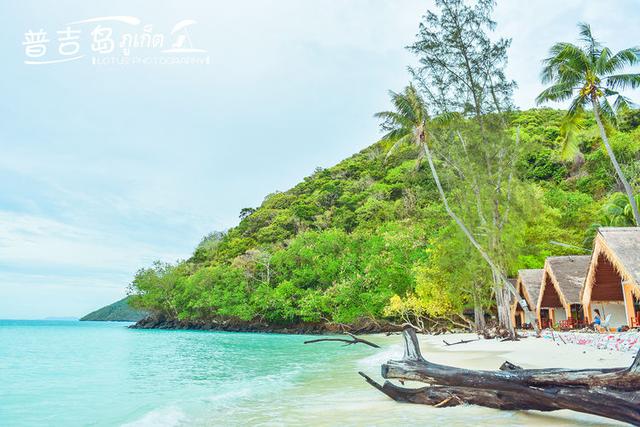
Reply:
x=508 y=366
x=443 y=396
x=459 y=342
x=354 y=340
x=612 y=393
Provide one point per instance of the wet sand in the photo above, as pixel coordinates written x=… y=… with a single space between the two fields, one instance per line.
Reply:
x=341 y=397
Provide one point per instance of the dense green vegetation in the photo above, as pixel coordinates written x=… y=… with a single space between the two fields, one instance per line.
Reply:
x=341 y=244
x=119 y=311
x=461 y=191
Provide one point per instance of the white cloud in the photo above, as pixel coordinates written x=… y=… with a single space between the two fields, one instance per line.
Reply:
x=39 y=241
x=104 y=169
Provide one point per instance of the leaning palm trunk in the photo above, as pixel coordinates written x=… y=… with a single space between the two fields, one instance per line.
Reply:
x=494 y=269
x=616 y=166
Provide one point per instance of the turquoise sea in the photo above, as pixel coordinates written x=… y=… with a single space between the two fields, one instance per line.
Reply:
x=66 y=373
x=59 y=373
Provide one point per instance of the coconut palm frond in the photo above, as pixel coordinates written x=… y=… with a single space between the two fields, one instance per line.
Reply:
x=603 y=62
x=405 y=139
x=622 y=103
x=402 y=124
x=626 y=57
x=607 y=111
x=556 y=92
x=623 y=81
x=586 y=36
x=566 y=62
x=569 y=128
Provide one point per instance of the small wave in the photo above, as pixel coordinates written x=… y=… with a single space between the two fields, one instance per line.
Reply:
x=164 y=417
x=390 y=352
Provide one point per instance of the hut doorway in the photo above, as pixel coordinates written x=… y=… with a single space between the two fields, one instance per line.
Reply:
x=577 y=315
x=519 y=317
x=551 y=304
x=545 y=318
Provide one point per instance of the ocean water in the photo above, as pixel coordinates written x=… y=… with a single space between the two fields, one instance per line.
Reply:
x=61 y=373
x=58 y=373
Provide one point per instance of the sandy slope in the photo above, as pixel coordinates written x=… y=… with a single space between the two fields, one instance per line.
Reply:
x=341 y=398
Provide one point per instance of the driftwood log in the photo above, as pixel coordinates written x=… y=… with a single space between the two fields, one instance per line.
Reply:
x=354 y=340
x=460 y=342
x=612 y=393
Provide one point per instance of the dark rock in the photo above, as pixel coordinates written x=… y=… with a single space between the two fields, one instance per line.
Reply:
x=363 y=326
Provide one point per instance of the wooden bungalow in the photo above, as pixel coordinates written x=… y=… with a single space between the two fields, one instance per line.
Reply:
x=560 y=290
x=612 y=284
x=528 y=287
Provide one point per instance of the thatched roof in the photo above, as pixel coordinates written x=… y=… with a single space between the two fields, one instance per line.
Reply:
x=568 y=274
x=514 y=283
x=623 y=243
x=621 y=247
x=531 y=281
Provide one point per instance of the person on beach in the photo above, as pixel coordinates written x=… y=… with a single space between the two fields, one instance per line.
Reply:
x=597 y=319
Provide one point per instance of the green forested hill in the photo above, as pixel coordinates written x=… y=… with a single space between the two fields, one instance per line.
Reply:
x=369 y=236
x=119 y=311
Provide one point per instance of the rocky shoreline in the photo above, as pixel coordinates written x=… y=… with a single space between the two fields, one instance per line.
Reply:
x=235 y=325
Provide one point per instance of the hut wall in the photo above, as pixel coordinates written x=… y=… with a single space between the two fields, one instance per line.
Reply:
x=559 y=314
x=616 y=309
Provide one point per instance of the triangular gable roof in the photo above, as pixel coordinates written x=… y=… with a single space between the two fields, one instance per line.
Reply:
x=621 y=246
x=567 y=273
x=531 y=281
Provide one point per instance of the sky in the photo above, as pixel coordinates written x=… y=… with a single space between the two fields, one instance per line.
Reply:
x=106 y=167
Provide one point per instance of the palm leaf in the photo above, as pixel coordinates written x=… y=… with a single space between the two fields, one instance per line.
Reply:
x=623 y=81
x=587 y=37
x=626 y=57
x=607 y=111
x=398 y=142
x=566 y=62
x=556 y=92
x=622 y=103
x=569 y=128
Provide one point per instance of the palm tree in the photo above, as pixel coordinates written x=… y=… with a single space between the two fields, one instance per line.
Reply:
x=409 y=124
x=616 y=212
x=589 y=75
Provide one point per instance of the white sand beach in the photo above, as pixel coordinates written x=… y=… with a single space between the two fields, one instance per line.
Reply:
x=342 y=398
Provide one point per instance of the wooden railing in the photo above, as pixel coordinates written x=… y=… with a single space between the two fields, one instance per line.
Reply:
x=634 y=322
x=545 y=323
x=568 y=324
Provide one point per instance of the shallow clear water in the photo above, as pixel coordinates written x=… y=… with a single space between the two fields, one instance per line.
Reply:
x=58 y=373
x=101 y=373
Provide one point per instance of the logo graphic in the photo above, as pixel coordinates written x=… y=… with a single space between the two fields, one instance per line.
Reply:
x=114 y=40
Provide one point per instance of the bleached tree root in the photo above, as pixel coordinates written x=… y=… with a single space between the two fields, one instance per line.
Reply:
x=354 y=340
x=611 y=393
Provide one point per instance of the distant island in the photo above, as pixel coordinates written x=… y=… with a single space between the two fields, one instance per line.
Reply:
x=119 y=311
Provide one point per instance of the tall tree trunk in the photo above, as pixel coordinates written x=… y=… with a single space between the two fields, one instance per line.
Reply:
x=478 y=311
x=494 y=269
x=616 y=166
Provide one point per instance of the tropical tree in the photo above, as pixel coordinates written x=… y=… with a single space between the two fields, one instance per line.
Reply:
x=462 y=72
x=589 y=75
x=407 y=123
x=410 y=123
